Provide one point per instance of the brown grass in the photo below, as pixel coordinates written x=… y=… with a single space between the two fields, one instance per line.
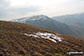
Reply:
x=14 y=43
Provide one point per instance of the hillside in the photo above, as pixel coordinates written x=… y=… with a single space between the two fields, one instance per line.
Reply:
x=18 y=39
x=46 y=22
x=75 y=21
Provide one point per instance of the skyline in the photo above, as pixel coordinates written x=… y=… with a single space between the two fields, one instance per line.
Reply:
x=12 y=9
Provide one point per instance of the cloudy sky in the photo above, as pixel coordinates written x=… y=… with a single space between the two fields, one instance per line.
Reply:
x=12 y=9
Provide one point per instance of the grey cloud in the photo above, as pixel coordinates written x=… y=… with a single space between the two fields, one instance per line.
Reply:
x=23 y=10
x=4 y=3
x=3 y=6
x=8 y=12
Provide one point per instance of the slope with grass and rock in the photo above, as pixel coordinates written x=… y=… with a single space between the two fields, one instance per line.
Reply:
x=18 y=39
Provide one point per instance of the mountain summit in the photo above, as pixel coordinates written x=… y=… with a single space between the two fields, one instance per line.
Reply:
x=39 y=17
x=46 y=22
x=33 y=18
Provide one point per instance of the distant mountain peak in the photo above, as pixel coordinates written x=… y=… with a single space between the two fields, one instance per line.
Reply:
x=32 y=18
x=39 y=17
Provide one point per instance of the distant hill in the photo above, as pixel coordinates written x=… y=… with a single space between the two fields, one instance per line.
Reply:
x=50 y=24
x=72 y=19
x=18 y=39
x=75 y=21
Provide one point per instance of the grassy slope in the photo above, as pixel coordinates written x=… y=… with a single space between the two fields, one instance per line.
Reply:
x=13 y=42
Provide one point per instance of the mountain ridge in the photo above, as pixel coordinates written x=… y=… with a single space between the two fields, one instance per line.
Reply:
x=75 y=19
x=49 y=24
